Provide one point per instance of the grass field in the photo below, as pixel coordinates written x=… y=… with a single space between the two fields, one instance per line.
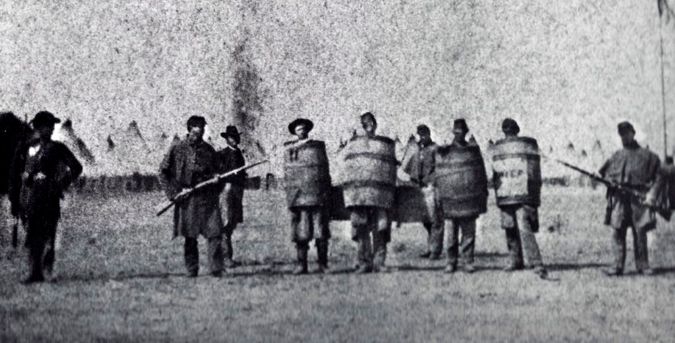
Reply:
x=120 y=277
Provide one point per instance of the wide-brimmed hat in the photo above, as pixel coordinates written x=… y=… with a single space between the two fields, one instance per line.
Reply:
x=460 y=125
x=43 y=118
x=309 y=125
x=231 y=131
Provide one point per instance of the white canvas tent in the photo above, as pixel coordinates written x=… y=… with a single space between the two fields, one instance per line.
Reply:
x=65 y=133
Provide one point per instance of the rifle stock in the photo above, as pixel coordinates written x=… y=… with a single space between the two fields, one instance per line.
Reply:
x=165 y=206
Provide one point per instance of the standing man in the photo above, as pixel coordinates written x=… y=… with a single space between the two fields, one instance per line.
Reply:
x=420 y=167
x=189 y=162
x=231 y=158
x=518 y=184
x=636 y=168
x=40 y=172
x=469 y=200
x=308 y=182
x=369 y=199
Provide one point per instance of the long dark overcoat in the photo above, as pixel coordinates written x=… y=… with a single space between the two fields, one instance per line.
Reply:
x=184 y=166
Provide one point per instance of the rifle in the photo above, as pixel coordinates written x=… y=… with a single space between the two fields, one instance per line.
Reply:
x=616 y=187
x=163 y=207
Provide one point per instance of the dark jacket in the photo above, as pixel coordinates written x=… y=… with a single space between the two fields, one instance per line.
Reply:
x=42 y=197
x=422 y=163
x=635 y=167
x=229 y=159
x=184 y=166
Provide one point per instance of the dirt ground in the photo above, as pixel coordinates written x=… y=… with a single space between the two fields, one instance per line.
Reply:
x=120 y=278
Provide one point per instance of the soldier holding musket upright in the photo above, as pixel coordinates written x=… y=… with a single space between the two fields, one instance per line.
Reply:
x=634 y=168
x=517 y=182
x=36 y=186
x=461 y=184
x=369 y=185
x=308 y=182
x=420 y=167
x=189 y=162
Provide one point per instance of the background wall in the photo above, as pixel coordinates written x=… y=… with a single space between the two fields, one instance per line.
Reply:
x=567 y=70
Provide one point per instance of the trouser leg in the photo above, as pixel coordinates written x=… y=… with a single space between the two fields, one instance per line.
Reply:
x=528 y=240
x=301 y=256
x=427 y=228
x=50 y=249
x=436 y=238
x=453 y=248
x=191 y=255
x=322 y=252
x=381 y=228
x=640 y=248
x=436 y=222
x=619 y=247
x=227 y=246
x=35 y=258
x=49 y=256
x=379 y=248
x=531 y=248
x=513 y=244
x=468 y=240
x=365 y=248
x=215 y=251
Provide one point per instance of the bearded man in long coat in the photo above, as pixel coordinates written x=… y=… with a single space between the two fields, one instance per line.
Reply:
x=189 y=162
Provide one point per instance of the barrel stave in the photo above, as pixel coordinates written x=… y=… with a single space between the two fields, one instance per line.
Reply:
x=461 y=181
x=306 y=174
x=370 y=172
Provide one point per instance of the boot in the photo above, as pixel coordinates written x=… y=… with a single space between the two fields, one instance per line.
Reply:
x=363 y=269
x=302 y=262
x=451 y=268
x=613 y=271
x=541 y=272
x=513 y=267
x=322 y=256
x=35 y=262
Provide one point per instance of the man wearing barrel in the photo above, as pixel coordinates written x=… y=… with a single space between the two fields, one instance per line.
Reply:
x=461 y=182
x=232 y=197
x=635 y=168
x=420 y=167
x=517 y=180
x=369 y=185
x=189 y=162
x=308 y=182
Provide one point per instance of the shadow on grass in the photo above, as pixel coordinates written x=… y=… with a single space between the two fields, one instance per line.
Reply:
x=574 y=266
x=284 y=269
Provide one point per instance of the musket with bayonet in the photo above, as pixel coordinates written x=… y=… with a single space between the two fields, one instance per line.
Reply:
x=163 y=207
x=616 y=187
